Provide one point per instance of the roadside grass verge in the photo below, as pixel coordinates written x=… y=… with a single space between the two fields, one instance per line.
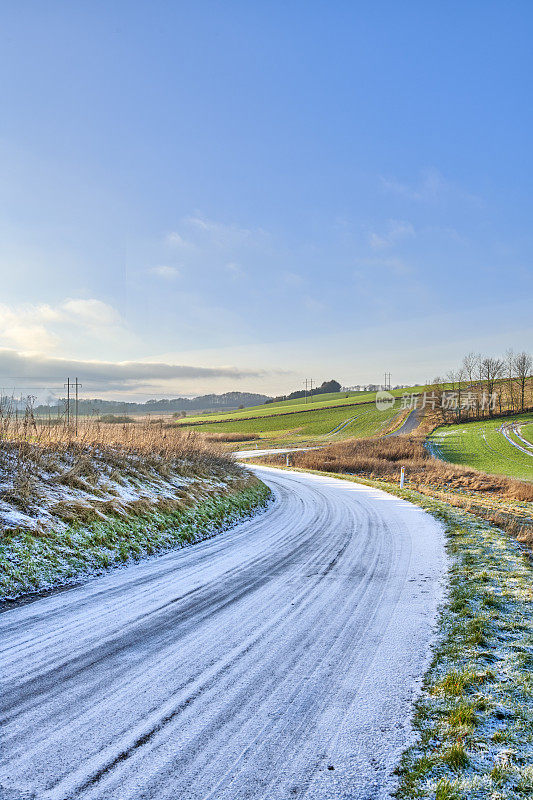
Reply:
x=36 y=560
x=473 y=721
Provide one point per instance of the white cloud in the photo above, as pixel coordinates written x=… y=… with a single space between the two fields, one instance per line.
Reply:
x=42 y=328
x=235 y=270
x=430 y=185
x=175 y=239
x=26 y=335
x=25 y=327
x=219 y=234
x=166 y=272
x=92 y=313
x=429 y=188
x=395 y=231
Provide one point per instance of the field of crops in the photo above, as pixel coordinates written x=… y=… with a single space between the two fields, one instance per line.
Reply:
x=323 y=423
x=484 y=446
x=336 y=399
x=526 y=431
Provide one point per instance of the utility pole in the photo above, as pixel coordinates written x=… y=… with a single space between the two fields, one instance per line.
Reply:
x=311 y=390
x=78 y=386
x=67 y=384
x=306 y=390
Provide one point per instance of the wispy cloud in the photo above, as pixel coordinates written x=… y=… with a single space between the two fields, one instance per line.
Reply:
x=395 y=231
x=312 y=304
x=235 y=270
x=196 y=231
x=165 y=272
x=175 y=239
x=430 y=185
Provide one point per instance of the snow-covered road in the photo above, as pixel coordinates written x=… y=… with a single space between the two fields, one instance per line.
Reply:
x=277 y=660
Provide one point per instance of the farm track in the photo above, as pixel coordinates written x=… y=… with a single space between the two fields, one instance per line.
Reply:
x=279 y=659
x=525 y=447
x=341 y=426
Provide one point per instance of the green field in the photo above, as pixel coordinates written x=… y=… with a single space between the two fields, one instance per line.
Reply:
x=284 y=407
x=526 y=431
x=482 y=445
x=324 y=424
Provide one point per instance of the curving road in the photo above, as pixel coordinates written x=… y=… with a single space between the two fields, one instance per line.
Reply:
x=277 y=660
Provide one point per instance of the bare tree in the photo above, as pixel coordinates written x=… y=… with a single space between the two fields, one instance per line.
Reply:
x=490 y=370
x=454 y=396
x=470 y=362
x=523 y=366
x=509 y=378
x=461 y=377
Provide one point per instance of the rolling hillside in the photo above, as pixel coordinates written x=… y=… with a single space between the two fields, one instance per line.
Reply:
x=337 y=399
x=499 y=446
x=328 y=422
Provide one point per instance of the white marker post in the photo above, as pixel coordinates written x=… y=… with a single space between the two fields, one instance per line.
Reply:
x=288 y=460
x=402 y=477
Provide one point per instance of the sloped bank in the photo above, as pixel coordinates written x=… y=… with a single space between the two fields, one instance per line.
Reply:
x=34 y=560
x=68 y=513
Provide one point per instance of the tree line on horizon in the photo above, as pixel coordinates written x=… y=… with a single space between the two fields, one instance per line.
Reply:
x=96 y=406
x=327 y=387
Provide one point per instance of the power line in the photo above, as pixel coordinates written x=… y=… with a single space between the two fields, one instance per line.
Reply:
x=78 y=386
x=67 y=385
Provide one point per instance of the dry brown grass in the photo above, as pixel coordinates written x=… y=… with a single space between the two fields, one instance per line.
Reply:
x=498 y=499
x=231 y=437
x=382 y=459
x=35 y=455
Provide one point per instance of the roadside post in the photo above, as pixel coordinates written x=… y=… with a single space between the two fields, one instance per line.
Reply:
x=288 y=460
x=402 y=477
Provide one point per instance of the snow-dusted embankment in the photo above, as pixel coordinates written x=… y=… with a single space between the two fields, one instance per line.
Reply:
x=279 y=659
x=71 y=512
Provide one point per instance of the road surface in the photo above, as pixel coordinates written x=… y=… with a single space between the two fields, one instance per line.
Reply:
x=410 y=423
x=277 y=660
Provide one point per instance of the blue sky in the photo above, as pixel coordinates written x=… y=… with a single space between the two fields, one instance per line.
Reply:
x=244 y=194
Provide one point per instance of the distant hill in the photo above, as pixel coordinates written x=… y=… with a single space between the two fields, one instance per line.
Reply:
x=207 y=402
x=327 y=387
